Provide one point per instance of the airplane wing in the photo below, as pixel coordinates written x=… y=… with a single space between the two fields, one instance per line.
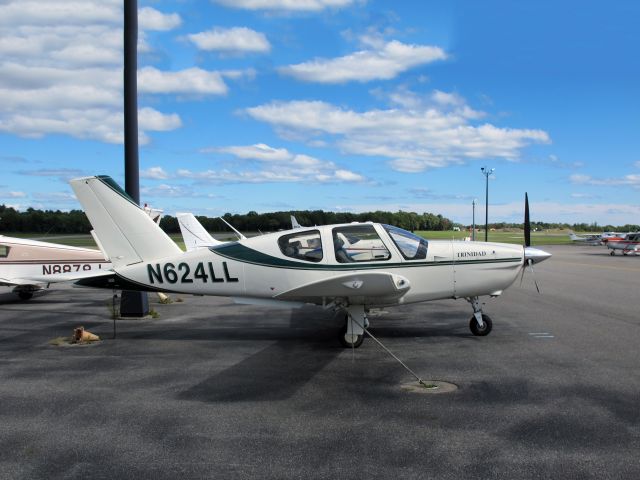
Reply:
x=361 y=285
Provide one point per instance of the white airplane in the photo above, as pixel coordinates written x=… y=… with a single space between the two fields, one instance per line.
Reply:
x=586 y=239
x=304 y=265
x=31 y=265
x=629 y=244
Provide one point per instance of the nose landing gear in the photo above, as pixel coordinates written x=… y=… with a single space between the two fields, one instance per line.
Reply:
x=480 y=324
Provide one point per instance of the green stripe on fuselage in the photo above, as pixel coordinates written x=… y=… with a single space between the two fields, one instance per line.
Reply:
x=241 y=253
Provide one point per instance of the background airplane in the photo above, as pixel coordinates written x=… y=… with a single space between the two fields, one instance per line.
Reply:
x=305 y=265
x=586 y=239
x=31 y=265
x=629 y=244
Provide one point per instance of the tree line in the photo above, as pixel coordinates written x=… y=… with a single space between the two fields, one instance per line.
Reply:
x=75 y=221
x=274 y=221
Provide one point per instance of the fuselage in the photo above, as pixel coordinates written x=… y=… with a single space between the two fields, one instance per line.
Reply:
x=266 y=266
x=31 y=261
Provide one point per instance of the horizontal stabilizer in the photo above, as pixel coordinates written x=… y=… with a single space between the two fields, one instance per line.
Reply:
x=193 y=233
x=125 y=231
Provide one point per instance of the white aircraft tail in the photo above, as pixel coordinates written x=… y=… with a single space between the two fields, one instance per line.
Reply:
x=294 y=222
x=125 y=231
x=193 y=233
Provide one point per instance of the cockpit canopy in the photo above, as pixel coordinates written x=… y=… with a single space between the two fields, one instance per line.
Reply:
x=353 y=243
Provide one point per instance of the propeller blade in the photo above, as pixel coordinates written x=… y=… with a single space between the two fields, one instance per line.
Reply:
x=527 y=223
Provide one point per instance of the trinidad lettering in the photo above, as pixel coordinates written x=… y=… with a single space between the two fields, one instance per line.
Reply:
x=182 y=273
x=471 y=254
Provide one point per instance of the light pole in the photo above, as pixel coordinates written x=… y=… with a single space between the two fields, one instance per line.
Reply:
x=473 y=225
x=486 y=172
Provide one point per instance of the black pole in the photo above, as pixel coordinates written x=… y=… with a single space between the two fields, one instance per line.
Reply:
x=132 y=304
x=131 y=165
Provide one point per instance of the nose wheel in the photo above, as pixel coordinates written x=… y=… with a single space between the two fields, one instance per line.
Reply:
x=481 y=331
x=480 y=324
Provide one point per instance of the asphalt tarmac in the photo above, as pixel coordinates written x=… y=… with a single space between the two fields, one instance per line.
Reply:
x=211 y=389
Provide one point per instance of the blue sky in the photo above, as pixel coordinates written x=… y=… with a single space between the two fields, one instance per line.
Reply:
x=343 y=105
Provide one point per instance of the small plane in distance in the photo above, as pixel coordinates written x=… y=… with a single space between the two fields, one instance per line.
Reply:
x=629 y=244
x=305 y=265
x=586 y=239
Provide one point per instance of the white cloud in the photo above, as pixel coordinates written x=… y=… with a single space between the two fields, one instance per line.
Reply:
x=286 y=5
x=259 y=151
x=12 y=194
x=61 y=66
x=154 y=173
x=152 y=19
x=632 y=180
x=60 y=12
x=413 y=139
x=188 y=81
x=273 y=165
x=236 y=39
x=384 y=63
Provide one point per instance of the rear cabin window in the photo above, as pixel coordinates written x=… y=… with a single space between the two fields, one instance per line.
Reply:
x=302 y=246
x=412 y=247
x=4 y=251
x=359 y=243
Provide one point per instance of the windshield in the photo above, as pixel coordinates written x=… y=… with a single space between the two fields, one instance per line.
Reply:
x=411 y=246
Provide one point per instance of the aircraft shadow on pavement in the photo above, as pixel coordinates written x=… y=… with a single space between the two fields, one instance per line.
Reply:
x=279 y=370
x=299 y=352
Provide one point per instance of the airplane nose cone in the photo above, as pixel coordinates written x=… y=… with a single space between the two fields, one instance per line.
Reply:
x=535 y=255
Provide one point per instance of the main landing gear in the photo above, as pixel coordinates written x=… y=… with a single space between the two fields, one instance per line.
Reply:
x=352 y=334
x=480 y=324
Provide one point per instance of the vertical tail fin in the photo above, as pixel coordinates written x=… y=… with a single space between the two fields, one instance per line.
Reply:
x=193 y=233
x=126 y=232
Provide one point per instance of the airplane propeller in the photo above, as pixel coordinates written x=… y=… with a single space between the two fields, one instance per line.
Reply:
x=531 y=255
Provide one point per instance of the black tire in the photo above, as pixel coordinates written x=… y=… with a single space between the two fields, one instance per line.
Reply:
x=485 y=330
x=613 y=252
x=25 y=295
x=346 y=342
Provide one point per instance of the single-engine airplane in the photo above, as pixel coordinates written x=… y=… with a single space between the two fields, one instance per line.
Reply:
x=586 y=239
x=306 y=264
x=629 y=244
x=31 y=265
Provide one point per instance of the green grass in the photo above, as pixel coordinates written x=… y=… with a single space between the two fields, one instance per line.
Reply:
x=556 y=237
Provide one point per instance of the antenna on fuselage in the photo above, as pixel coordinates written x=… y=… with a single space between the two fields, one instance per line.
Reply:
x=240 y=235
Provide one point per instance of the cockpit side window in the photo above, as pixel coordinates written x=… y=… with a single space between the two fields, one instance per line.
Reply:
x=302 y=246
x=359 y=243
x=4 y=251
x=412 y=247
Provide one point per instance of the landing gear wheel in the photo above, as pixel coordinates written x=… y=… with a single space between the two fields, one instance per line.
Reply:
x=25 y=295
x=350 y=340
x=486 y=327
